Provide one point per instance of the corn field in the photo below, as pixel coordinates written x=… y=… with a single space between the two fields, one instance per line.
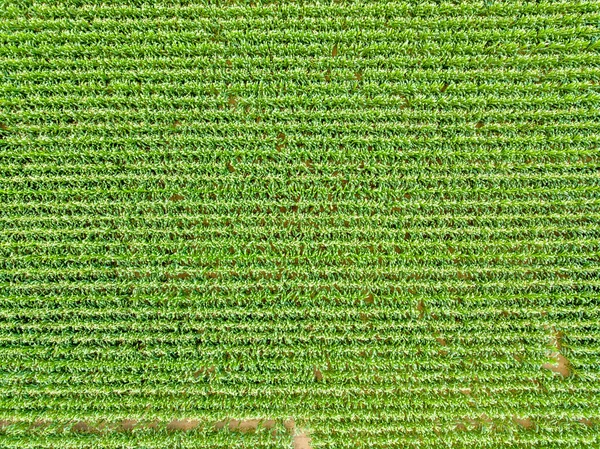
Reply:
x=299 y=224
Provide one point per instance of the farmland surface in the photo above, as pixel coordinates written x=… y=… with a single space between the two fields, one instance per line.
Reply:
x=259 y=224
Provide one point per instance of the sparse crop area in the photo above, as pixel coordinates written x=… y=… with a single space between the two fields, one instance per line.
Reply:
x=299 y=224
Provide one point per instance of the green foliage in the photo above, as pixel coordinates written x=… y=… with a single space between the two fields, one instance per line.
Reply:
x=378 y=218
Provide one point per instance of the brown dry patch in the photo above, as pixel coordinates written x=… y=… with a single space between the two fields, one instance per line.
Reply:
x=176 y=197
x=244 y=425
x=318 y=374
x=268 y=423
x=421 y=309
x=478 y=422
x=466 y=276
x=465 y=391
x=289 y=425
x=560 y=365
x=444 y=87
x=230 y=167
x=556 y=340
x=442 y=341
x=205 y=370
x=183 y=424
x=38 y=423
x=526 y=423
x=152 y=424
x=370 y=299
x=472 y=421
x=334 y=51
x=83 y=427
x=485 y=419
x=586 y=422
x=219 y=425
x=479 y=125
x=127 y=425
x=301 y=441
